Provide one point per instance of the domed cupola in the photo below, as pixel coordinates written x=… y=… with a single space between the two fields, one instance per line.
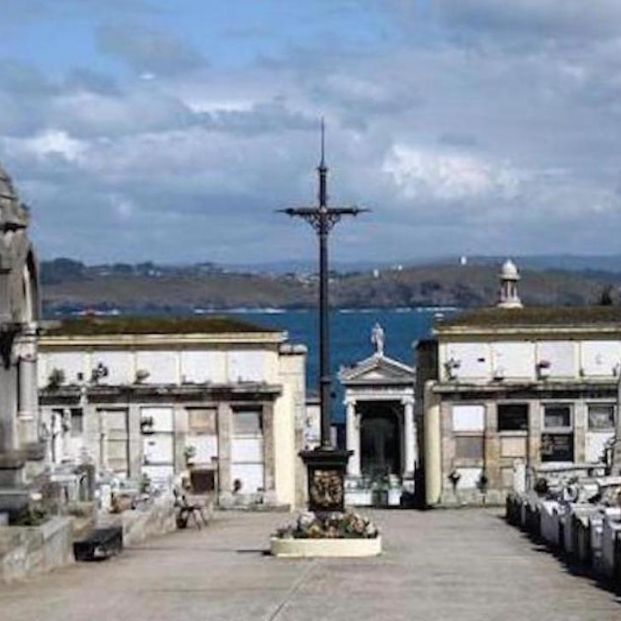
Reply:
x=509 y=277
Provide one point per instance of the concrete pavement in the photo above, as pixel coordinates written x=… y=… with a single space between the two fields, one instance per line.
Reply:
x=464 y=564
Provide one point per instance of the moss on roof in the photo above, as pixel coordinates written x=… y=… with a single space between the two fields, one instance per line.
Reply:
x=92 y=326
x=535 y=316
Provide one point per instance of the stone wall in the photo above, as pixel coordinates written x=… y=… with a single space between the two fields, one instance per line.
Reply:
x=30 y=550
x=140 y=524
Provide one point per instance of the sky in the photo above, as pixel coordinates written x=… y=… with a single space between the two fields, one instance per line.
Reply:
x=172 y=131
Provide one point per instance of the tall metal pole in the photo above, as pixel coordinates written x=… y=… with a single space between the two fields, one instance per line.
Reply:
x=325 y=378
x=326 y=464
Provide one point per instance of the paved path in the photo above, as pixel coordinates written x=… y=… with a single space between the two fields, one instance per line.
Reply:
x=462 y=565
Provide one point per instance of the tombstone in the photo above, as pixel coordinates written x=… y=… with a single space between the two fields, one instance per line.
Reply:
x=21 y=449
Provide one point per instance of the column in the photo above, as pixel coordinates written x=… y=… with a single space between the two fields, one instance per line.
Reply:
x=9 y=438
x=103 y=440
x=353 y=438
x=225 y=432
x=409 y=436
x=136 y=447
x=28 y=394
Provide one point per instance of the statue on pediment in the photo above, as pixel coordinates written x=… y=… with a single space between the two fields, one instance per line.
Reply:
x=378 y=339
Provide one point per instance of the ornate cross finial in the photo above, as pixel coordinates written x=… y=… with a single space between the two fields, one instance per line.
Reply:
x=323 y=218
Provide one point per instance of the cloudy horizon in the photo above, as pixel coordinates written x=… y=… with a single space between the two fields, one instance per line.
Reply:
x=137 y=131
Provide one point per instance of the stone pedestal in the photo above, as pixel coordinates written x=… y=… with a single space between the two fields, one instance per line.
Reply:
x=326 y=479
x=14 y=496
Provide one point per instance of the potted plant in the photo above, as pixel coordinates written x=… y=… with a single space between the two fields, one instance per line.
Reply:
x=189 y=452
x=543 y=369
x=141 y=376
x=56 y=379
x=146 y=424
x=451 y=366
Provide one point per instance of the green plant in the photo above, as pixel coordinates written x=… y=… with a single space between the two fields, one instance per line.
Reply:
x=31 y=516
x=56 y=379
x=348 y=525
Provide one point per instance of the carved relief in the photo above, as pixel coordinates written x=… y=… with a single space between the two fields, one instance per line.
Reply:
x=326 y=489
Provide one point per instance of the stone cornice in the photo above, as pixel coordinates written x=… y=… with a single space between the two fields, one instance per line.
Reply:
x=465 y=333
x=136 y=392
x=137 y=341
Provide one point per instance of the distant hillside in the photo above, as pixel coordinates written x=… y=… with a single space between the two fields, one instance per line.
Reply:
x=71 y=287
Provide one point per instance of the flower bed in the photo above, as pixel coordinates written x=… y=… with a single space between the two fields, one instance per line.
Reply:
x=347 y=525
x=332 y=535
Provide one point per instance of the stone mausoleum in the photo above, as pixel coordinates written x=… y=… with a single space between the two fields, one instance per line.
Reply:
x=21 y=449
x=380 y=431
x=218 y=400
x=509 y=394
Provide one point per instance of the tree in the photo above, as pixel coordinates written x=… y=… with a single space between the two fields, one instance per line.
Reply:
x=605 y=299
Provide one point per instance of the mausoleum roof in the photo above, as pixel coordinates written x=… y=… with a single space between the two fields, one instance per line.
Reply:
x=534 y=317
x=99 y=326
x=12 y=212
x=377 y=369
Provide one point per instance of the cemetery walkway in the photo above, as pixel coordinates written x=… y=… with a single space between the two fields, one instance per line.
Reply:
x=443 y=565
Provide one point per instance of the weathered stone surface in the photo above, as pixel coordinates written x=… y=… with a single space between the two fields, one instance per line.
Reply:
x=141 y=524
x=30 y=550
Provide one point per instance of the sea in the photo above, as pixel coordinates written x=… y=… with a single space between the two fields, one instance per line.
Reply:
x=350 y=336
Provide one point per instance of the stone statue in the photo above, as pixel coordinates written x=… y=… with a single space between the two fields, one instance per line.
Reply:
x=378 y=339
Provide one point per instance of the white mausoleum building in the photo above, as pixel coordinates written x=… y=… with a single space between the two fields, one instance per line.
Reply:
x=509 y=393
x=218 y=398
x=380 y=431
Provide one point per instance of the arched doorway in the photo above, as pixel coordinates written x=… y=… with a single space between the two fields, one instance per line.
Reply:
x=380 y=439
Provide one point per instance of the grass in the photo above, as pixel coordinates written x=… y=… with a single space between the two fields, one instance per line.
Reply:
x=92 y=326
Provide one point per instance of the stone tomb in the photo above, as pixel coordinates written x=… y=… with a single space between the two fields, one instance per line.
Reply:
x=21 y=449
x=379 y=401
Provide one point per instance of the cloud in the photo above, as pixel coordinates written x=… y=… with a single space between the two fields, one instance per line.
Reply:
x=447 y=177
x=466 y=127
x=51 y=143
x=570 y=16
x=261 y=117
x=147 y=50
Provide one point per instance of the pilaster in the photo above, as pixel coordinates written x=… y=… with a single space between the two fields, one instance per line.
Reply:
x=491 y=447
x=136 y=448
x=225 y=431
x=269 y=448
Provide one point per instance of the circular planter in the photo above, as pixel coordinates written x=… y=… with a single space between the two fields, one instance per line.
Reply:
x=326 y=548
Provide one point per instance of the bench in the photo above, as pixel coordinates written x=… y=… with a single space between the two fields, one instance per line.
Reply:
x=99 y=544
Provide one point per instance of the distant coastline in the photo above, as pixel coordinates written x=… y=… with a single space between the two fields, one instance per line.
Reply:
x=73 y=289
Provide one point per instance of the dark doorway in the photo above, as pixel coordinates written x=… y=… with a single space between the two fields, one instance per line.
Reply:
x=380 y=438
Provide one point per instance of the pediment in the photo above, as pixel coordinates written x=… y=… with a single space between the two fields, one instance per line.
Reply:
x=377 y=370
